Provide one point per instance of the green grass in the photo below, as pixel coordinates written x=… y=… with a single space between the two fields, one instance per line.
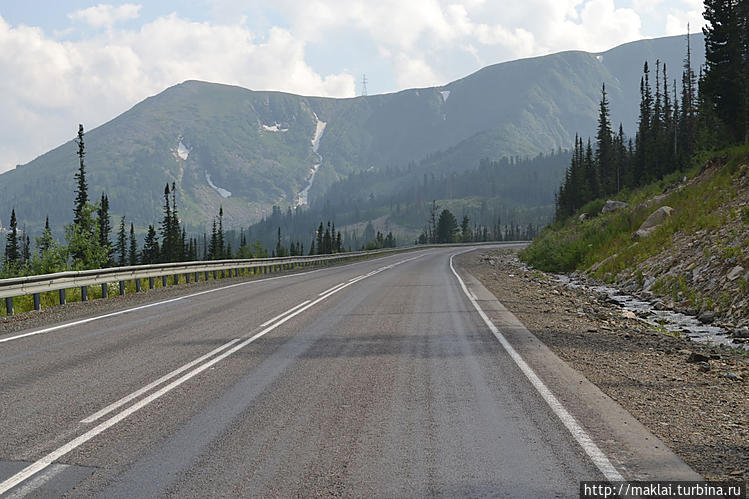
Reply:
x=572 y=245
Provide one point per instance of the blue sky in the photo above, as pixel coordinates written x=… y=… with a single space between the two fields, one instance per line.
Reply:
x=67 y=62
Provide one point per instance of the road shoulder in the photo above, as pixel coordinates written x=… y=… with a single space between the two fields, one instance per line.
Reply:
x=613 y=372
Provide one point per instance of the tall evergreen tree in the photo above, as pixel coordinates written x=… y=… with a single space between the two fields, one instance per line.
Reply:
x=605 y=151
x=81 y=192
x=46 y=240
x=132 y=255
x=447 y=227
x=725 y=79
x=122 y=243
x=105 y=226
x=220 y=234
x=150 y=253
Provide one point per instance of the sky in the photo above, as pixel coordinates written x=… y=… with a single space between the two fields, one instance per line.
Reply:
x=75 y=61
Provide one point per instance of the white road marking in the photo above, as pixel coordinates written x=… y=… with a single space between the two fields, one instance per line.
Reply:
x=166 y=377
x=594 y=452
x=156 y=304
x=50 y=458
x=38 y=481
x=284 y=313
x=333 y=288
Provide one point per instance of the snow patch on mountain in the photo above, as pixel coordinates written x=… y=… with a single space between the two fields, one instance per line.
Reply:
x=319 y=129
x=276 y=127
x=222 y=192
x=445 y=94
x=181 y=152
x=302 y=197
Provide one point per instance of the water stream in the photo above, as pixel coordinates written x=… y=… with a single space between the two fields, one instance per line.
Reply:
x=686 y=325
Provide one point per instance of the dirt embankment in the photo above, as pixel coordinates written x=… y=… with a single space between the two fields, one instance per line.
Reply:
x=693 y=396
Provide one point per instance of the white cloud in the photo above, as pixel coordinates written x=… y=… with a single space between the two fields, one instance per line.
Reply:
x=106 y=16
x=50 y=86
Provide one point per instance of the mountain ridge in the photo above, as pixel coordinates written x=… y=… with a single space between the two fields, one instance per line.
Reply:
x=257 y=144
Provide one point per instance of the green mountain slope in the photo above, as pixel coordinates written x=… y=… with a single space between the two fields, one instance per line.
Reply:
x=212 y=140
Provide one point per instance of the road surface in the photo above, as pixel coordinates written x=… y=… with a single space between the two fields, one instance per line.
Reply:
x=376 y=378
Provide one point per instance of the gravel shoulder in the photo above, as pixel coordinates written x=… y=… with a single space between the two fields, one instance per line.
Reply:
x=694 y=397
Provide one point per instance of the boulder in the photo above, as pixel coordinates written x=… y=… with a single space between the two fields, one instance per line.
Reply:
x=612 y=206
x=653 y=222
x=706 y=317
x=584 y=217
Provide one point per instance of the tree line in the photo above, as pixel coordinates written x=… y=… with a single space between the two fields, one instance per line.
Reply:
x=445 y=229
x=90 y=245
x=709 y=110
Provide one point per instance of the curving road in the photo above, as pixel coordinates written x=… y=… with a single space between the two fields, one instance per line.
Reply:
x=377 y=378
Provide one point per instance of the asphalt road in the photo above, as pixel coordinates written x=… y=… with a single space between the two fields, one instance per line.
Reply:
x=389 y=385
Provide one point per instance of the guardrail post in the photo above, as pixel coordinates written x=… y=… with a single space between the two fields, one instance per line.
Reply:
x=150 y=283
x=9 y=305
x=37 y=302
x=187 y=278
x=62 y=296
x=104 y=290
x=215 y=275
x=137 y=285
x=122 y=288
x=236 y=272
x=163 y=281
x=197 y=276
x=84 y=293
x=176 y=279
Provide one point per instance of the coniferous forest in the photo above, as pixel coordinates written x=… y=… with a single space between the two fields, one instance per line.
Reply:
x=703 y=109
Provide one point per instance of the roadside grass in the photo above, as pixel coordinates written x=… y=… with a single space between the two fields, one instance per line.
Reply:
x=607 y=239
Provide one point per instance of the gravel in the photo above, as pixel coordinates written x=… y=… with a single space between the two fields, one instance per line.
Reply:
x=694 y=397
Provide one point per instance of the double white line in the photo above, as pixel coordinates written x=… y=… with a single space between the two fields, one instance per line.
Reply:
x=223 y=352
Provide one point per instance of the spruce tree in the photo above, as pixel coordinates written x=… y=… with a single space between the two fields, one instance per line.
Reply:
x=604 y=153
x=132 y=255
x=105 y=226
x=220 y=235
x=81 y=193
x=46 y=240
x=167 y=243
x=122 y=243
x=12 y=250
x=150 y=253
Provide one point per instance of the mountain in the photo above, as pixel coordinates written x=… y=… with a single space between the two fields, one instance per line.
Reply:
x=248 y=150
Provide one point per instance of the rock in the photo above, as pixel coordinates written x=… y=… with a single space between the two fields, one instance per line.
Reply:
x=703 y=366
x=612 y=206
x=741 y=333
x=706 y=317
x=655 y=200
x=653 y=222
x=697 y=357
x=628 y=314
x=732 y=376
x=584 y=217
x=735 y=273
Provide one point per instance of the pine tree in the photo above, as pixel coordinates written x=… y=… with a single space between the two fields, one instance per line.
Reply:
x=122 y=243
x=319 y=240
x=81 y=193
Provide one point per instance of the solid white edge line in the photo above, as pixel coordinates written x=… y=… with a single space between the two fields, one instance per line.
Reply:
x=591 y=449
x=284 y=313
x=163 y=302
x=50 y=458
x=124 y=400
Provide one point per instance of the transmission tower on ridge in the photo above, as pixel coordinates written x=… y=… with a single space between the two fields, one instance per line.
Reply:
x=364 y=84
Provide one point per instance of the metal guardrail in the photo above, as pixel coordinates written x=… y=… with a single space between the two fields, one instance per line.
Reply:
x=61 y=281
